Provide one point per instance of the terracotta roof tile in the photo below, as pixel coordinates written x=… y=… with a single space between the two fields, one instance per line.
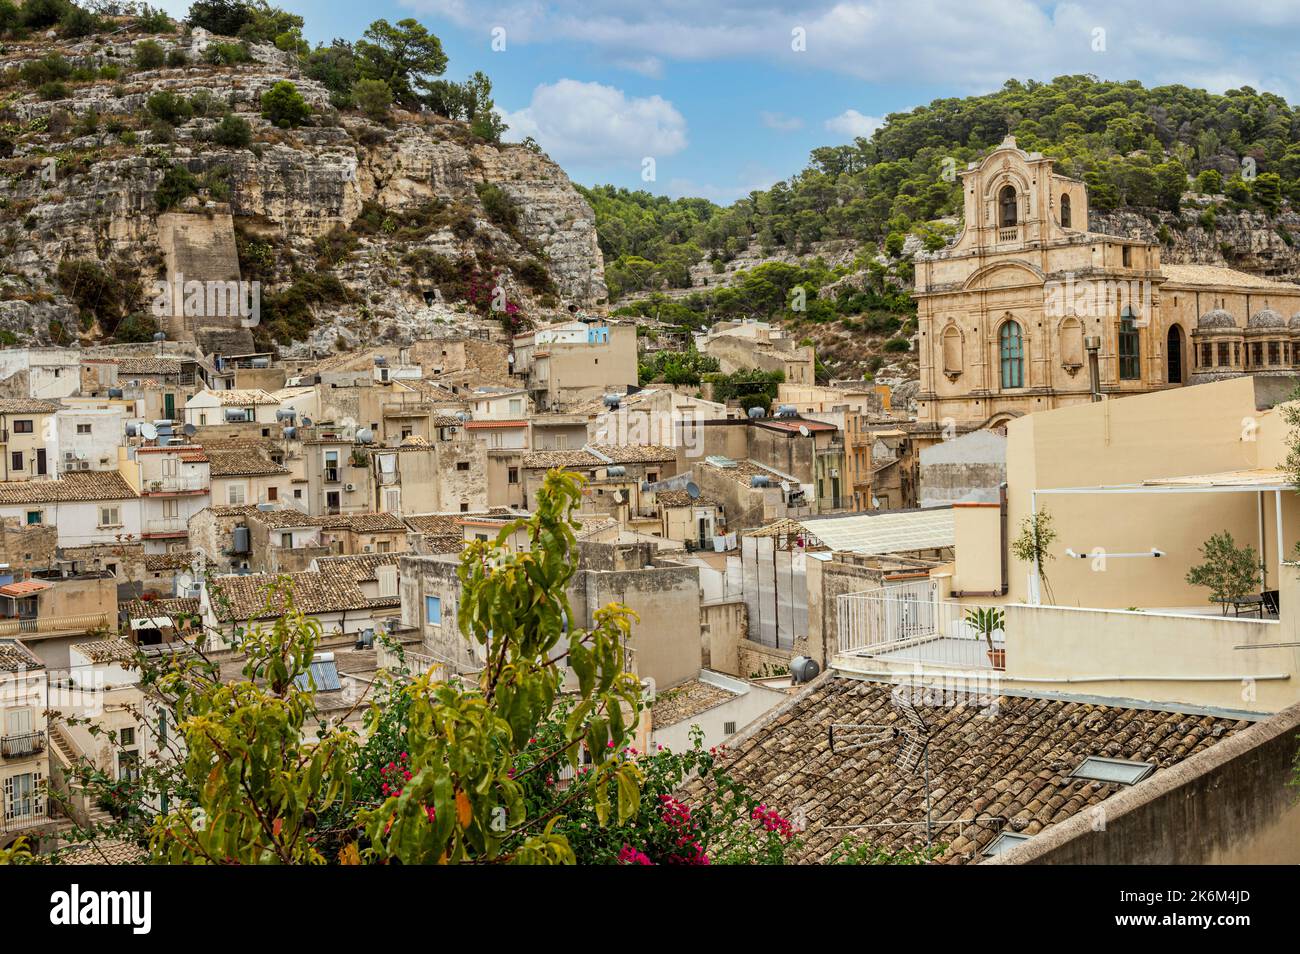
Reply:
x=86 y=485
x=250 y=596
x=1007 y=759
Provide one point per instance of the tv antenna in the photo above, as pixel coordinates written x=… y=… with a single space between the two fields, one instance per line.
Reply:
x=910 y=733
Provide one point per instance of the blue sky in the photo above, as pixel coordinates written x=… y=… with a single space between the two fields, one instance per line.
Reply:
x=727 y=95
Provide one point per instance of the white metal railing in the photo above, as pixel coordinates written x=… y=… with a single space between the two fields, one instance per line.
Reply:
x=189 y=483
x=910 y=624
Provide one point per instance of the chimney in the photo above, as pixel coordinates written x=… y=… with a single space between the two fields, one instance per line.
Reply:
x=1092 y=344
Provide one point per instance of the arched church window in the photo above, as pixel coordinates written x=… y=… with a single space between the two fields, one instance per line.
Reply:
x=952 y=357
x=1065 y=211
x=1007 y=206
x=1071 y=343
x=1011 y=349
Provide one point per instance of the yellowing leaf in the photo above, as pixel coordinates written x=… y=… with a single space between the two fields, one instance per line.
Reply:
x=464 y=811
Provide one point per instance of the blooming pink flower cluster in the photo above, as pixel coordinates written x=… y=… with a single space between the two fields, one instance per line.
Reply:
x=677 y=815
x=394 y=774
x=771 y=820
x=633 y=856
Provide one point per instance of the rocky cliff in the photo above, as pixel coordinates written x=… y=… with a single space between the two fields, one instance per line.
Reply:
x=358 y=231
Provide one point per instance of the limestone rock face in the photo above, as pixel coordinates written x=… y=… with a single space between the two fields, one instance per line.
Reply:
x=81 y=174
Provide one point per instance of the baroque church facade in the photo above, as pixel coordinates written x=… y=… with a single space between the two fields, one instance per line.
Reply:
x=1006 y=314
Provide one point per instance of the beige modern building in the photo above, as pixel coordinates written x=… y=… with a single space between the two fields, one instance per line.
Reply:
x=758 y=346
x=1007 y=313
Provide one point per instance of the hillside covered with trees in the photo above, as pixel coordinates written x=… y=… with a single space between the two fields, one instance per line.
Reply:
x=1136 y=148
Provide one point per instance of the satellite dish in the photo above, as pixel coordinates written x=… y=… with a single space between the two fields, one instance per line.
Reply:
x=190 y=430
x=785 y=486
x=306 y=422
x=803 y=430
x=875 y=501
x=159 y=336
x=693 y=490
x=148 y=432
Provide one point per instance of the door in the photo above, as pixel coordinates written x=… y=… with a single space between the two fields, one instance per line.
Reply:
x=1174 y=354
x=169 y=406
x=40 y=461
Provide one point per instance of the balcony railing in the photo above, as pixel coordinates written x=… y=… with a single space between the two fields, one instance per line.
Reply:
x=47 y=625
x=909 y=626
x=331 y=475
x=1010 y=233
x=28 y=817
x=21 y=746
x=193 y=484
x=165 y=526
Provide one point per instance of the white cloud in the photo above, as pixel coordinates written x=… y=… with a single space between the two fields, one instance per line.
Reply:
x=974 y=46
x=850 y=124
x=780 y=122
x=591 y=123
x=650 y=66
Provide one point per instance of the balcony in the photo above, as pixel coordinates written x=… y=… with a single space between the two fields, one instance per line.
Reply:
x=166 y=527
x=54 y=625
x=331 y=475
x=1009 y=233
x=30 y=813
x=906 y=627
x=167 y=486
x=22 y=746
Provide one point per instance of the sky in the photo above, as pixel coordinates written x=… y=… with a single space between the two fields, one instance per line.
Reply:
x=716 y=98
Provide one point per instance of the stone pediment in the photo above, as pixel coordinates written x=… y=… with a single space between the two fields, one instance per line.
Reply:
x=1009 y=274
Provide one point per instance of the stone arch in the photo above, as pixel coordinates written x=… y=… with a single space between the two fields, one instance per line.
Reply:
x=951 y=351
x=1069 y=336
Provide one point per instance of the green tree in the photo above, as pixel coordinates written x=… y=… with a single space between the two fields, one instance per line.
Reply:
x=223 y=17
x=284 y=106
x=404 y=56
x=374 y=98
x=149 y=55
x=1229 y=571
x=464 y=800
x=233 y=132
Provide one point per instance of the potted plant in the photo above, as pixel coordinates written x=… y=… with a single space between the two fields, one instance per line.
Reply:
x=1036 y=535
x=987 y=620
x=1229 y=572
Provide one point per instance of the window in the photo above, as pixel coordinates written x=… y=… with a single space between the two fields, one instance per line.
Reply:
x=109 y=517
x=1174 y=355
x=951 y=341
x=1126 y=255
x=23 y=796
x=433 y=611
x=235 y=495
x=1012 y=351
x=516 y=407
x=462 y=465
x=16 y=460
x=33 y=518
x=1007 y=206
x=1004 y=842
x=384 y=546
x=1065 y=211
x=22 y=427
x=18 y=722
x=1130 y=365
x=171 y=509
x=83 y=428
x=464 y=507
x=203 y=419
x=1120 y=771
x=512 y=475
x=272 y=493
x=286 y=541
x=297 y=493
x=128 y=760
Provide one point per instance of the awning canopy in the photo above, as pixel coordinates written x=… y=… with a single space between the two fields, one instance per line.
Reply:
x=873 y=534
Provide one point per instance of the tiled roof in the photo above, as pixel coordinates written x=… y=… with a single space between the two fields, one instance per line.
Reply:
x=1007 y=759
x=232 y=510
x=241 y=397
x=172 y=560
x=361 y=567
x=686 y=701
x=171 y=606
x=1221 y=275
x=148 y=365
x=15 y=657
x=680 y=498
x=562 y=459
x=635 y=453
x=245 y=462
x=83 y=485
x=28 y=406
x=113 y=649
x=103 y=851
x=249 y=597
x=365 y=522
x=745 y=469
x=284 y=518
x=448 y=524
